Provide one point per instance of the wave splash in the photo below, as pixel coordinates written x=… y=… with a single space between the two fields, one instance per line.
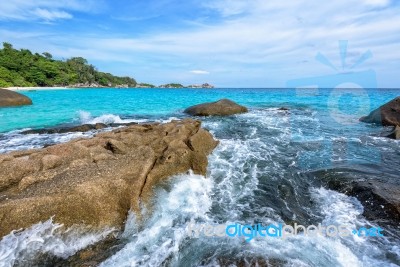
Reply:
x=48 y=238
x=162 y=236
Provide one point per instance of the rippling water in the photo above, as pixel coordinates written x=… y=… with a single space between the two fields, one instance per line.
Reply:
x=271 y=166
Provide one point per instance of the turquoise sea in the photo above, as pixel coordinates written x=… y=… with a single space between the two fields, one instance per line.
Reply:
x=272 y=165
x=66 y=106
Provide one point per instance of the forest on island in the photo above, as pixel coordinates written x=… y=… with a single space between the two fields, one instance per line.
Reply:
x=22 y=68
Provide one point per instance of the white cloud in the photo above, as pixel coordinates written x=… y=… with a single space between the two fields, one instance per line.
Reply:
x=378 y=3
x=47 y=10
x=50 y=15
x=201 y=72
x=229 y=7
x=269 y=43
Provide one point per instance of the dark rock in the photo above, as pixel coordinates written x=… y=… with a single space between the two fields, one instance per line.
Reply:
x=386 y=115
x=283 y=109
x=122 y=124
x=381 y=201
x=84 y=128
x=80 y=128
x=223 y=107
x=395 y=134
x=10 y=98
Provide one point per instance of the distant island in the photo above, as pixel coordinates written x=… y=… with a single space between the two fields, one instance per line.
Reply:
x=22 y=68
x=174 y=85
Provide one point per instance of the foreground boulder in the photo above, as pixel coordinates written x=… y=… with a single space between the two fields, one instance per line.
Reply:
x=386 y=115
x=223 y=107
x=10 y=98
x=95 y=182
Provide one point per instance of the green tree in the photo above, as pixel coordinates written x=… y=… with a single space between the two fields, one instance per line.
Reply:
x=47 y=55
x=23 y=68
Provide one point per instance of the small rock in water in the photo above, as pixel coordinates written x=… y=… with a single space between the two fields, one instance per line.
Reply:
x=10 y=98
x=223 y=107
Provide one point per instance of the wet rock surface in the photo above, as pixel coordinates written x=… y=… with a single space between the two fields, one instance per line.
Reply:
x=73 y=129
x=381 y=201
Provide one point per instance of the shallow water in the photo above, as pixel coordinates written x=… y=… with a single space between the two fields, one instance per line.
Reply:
x=271 y=167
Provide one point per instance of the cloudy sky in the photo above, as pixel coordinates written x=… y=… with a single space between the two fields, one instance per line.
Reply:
x=229 y=43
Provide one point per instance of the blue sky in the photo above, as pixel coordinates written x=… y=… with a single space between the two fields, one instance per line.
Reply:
x=229 y=43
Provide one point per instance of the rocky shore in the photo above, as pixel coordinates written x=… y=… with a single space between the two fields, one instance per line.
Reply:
x=95 y=182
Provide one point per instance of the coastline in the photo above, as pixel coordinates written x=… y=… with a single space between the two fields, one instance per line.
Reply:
x=38 y=88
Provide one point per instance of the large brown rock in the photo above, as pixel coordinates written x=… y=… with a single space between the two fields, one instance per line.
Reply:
x=223 y=107
x=9 y=98
x=386 y=115
x=95 y=182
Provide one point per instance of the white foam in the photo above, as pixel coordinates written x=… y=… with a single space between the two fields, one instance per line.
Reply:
x=161 y=235
x=14 y=141
x=48 y=238
x=235 y=178
x=87 y=118
x=339 y=209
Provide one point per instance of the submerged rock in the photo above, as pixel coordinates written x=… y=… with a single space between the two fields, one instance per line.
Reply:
x=80 y=128
x=386 y=115
x=283 y=109
x=10 y=98
x=95 y=182
x=223 y=107
x=73 y=129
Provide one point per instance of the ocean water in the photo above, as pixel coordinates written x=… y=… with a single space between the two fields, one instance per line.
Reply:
x=271 y=167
